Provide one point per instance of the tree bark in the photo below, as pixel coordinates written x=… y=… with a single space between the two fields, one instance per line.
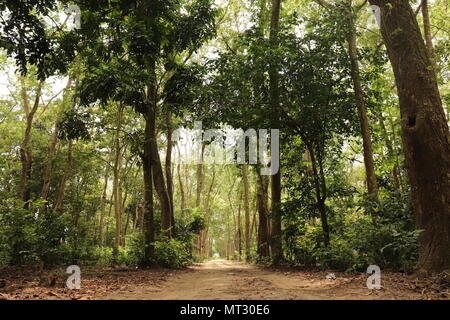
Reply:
x=184 y=204
x=321 y=194
x=276 y=241
x=262 y=206
x=199 y=180
x=246 y=210
x=147 y=210
x=52 y=148
x=25 y=148
x=103 y=206
x=168 y=168
x=157 y=171
x=372 y=187
x=239 y=227
x=425 y=131
x=116 y=182
x=62 y=186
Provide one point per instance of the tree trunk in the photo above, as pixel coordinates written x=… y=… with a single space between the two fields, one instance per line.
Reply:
x=147 y=210
x=157 y=171
x=184 y=204
x=425 y=131
x=246 y=211
x=168 y=168
x=49 y=167
x=372 y=187
x=62 y=186
x=276 y=242
x=103 y=206
x=25 y=148
x=199 y=180
x=116 y=183
x=262 y=206
x=239 y=227
x=52 y=149
x=321 y=194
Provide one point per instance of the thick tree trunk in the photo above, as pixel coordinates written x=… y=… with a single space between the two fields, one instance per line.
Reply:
x=157 y=171
x=276 y=241
x=425 y=131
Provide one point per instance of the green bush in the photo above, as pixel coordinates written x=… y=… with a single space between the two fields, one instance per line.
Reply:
x=169 y=254
x=172 y=254
x=103 y=256
x=31 y=236
x=136 y=249
x=382 y=234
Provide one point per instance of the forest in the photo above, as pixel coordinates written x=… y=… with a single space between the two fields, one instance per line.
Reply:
x=137 y=136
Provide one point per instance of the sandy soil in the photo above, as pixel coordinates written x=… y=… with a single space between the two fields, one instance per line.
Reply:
x=230 y=280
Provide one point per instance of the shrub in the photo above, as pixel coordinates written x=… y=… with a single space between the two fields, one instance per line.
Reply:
x=103 y=256
x=172 y=254
x=383 y=234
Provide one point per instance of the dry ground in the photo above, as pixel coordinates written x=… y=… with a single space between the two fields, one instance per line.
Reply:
x=217 y=279
x=223 y=280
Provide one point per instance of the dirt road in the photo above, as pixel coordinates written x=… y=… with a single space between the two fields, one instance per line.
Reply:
x=231 y=280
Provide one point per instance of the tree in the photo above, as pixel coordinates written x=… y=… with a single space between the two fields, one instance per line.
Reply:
x=274 y=98
x=350 y=16
x=425 y=131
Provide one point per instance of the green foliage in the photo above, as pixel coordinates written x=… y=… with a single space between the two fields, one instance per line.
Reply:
x=172 y=254
x=74 y=126
x=28 y=237
x=359 y=239
x=169 y=254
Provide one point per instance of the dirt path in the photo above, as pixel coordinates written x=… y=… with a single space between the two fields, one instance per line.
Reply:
x=231 y=280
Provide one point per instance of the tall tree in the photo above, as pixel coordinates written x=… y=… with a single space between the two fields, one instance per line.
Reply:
x=350 y=16
x=262 y=208
x=274 y=97
x=426 y=135
x=25 y=148
x=246 y=210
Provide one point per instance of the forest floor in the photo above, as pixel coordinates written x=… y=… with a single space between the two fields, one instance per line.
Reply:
x=231 y=280
x=221 y=280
